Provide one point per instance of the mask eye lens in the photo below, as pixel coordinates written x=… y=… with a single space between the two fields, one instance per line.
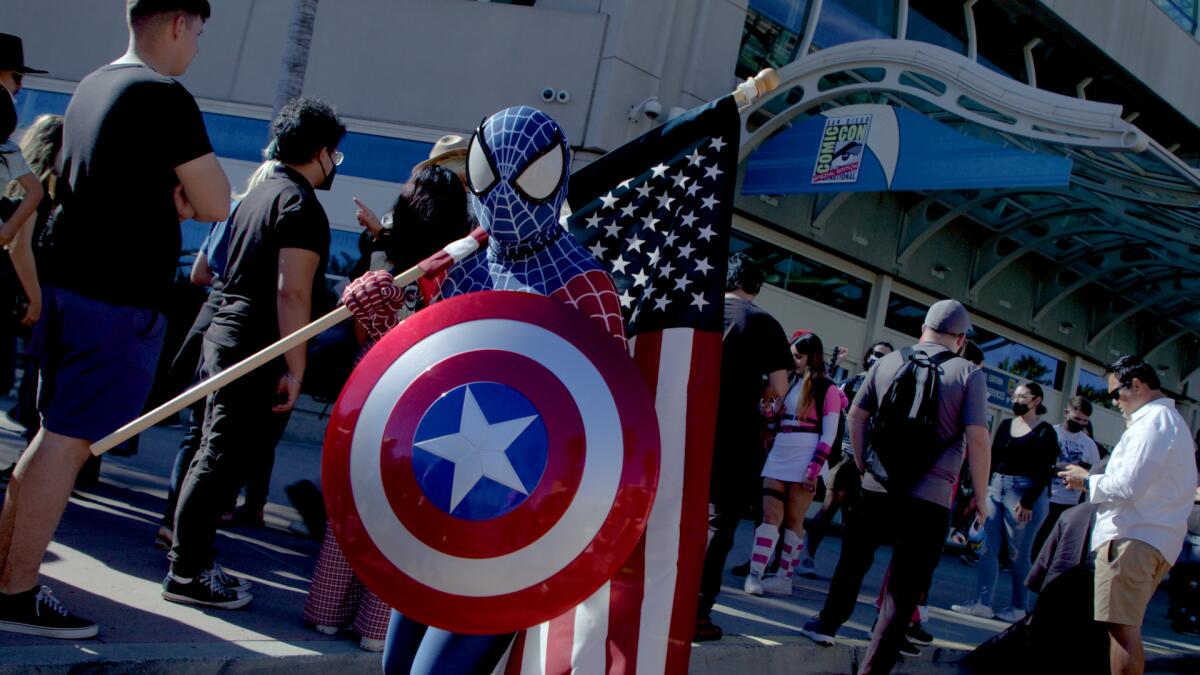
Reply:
x=480 y=175
x=541 y=179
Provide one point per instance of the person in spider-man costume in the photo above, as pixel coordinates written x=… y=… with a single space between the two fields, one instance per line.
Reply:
x=517 y=167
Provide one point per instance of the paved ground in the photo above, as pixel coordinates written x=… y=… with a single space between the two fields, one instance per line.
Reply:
x=102 y=564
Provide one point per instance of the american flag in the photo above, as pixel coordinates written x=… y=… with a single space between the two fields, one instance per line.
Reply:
x=656 y=212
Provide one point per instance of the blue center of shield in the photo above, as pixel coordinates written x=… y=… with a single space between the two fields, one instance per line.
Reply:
x=480 y=450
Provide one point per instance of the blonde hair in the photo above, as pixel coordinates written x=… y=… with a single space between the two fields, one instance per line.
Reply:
x=40 y=145
x=260 y=174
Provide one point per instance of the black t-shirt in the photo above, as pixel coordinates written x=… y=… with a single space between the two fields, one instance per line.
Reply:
x=281 y=212
x=754 y=346
x=1031 y=456
x=116 y=235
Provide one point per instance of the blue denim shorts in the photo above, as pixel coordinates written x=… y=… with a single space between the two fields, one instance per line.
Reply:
x=97 y=363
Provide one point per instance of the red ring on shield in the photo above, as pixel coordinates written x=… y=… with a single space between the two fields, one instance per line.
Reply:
x=465 y=602
x=518 y=528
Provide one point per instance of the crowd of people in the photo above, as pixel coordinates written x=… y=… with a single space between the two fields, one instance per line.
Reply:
x=903 y=450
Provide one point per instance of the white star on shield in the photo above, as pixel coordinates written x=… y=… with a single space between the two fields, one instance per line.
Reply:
x=477 y=451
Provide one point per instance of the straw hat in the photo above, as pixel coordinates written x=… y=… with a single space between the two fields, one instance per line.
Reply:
x=450 y=151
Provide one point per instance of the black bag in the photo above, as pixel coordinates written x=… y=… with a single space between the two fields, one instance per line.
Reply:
x=903 y=440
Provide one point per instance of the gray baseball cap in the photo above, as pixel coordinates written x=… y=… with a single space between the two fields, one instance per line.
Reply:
x=948 y=316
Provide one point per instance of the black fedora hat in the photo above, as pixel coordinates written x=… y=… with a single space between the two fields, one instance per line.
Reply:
x=12 y=55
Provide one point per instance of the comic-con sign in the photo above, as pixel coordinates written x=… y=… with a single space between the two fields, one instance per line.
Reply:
x=840 y=155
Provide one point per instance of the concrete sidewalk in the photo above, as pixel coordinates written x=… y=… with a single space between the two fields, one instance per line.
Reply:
x=103 y=566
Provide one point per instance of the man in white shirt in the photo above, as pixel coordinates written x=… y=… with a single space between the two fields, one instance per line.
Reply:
x=1074 y=447
x=1145 y=497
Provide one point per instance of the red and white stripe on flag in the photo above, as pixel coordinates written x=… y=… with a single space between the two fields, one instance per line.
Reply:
x=642 y=621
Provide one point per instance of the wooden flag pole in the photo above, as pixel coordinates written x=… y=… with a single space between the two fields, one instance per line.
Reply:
x=454 y=252
x=766 y=81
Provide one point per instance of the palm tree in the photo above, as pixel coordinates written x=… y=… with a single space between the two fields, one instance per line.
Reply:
x=295 y=54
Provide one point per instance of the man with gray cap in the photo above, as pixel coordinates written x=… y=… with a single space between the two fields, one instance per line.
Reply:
x=915 y=516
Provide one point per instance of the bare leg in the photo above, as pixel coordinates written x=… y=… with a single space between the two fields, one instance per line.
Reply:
x=799 y=500
x=1125 y=653
x=44 y=479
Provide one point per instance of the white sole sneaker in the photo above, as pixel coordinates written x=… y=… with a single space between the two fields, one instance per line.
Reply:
x=371 y=645
x=43 y=631
x=777 y=586
x=242 y=600
x=819 y=638
x=976 y=609
x=753 y=585
x=1011 y=615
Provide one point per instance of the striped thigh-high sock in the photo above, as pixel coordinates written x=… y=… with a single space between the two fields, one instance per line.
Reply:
x=793 y=546
x=765 y=538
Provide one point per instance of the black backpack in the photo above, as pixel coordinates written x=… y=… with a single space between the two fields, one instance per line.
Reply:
x=903 y=441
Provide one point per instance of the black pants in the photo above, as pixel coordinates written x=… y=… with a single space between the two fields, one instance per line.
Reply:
x=239 y=428
x=733 y=489
x=916 y=529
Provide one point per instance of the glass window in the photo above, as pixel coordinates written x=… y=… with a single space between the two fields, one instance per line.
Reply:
x=1094 y=388
x=1183 y=12
x=804 y=277
x=845 y=21
x=1011 y=356
x=773 y=31
x=939 y=23
x=905 y=316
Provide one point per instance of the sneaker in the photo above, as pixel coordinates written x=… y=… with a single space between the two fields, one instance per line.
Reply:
x=204 y=590
x=813 y=630
x=807 y=568
x=970 y=559
x=740 y=570
x=1011 y=615
x=918 y=635
x=907 y=648
x=164 y=539
x=707 y=631
x=228 y=580
x=40 y=613
x=327 y=630
x=753 y=584
x=371 y=645
x=7 y=472
x=12 y=426
x=976 y=609
x=247 y=517
x=777 y=585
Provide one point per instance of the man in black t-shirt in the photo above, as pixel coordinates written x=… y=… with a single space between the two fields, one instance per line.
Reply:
x=278 y=247
x=755 y=347
x=135 y=161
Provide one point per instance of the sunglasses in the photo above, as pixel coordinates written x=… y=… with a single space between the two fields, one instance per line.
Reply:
x=878 y=354
x=1115 y=394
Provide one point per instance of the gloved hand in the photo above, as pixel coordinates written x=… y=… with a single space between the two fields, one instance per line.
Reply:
x=374 y=300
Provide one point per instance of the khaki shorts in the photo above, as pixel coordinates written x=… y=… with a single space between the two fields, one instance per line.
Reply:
x=1127 y=573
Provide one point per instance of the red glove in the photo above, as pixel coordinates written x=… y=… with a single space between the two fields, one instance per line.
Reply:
x=374 y=300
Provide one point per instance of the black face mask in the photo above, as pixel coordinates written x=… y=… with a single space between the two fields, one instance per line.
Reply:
x=1020 y=409
x=1075 y=427
x=327 y=184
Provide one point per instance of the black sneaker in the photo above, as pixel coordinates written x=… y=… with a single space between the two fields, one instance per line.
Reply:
x=907 y=648
x=918 y=635
x=813 y=630
x=206 y=590
x=228 y=580
x=38 y=612
x=706 y=631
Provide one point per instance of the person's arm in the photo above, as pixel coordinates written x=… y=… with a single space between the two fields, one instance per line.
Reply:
x=856 y=427
x=205 y=188
x=21 y=254
x=201 y=274
x=979 y=456
x=25 y=210
x=293 y=301
x=830 y=416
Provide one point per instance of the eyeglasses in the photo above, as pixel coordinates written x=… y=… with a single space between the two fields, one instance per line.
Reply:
x=337 y=157
x=878 y=354
x=1115 y=394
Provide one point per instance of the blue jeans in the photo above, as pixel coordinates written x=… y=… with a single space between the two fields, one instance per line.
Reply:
x=1005 y=493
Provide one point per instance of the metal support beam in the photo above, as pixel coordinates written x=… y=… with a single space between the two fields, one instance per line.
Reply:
x=810 y=29
x=1109 y=324
x=902 y=20
x=1166 y=341
x=972 y=39
x=1030 y=68
x=1054 y=292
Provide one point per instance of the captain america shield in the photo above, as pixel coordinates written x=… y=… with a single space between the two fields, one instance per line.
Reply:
x=491 y=462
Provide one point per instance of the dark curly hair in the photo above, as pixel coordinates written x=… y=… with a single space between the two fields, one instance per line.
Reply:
x=430 y=212
x=745 y=273
x=303 y=128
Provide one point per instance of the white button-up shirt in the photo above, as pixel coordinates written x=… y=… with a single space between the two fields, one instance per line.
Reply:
x=1147 y=490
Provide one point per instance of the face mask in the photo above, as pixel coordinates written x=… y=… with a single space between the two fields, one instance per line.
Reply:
x=327 y=184
x=1075 y=427
x=1020 y=409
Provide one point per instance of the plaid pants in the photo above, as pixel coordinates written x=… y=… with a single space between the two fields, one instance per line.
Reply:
x=338 y=598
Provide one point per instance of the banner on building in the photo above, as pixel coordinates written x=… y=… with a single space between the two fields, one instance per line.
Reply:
x=840 y=155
